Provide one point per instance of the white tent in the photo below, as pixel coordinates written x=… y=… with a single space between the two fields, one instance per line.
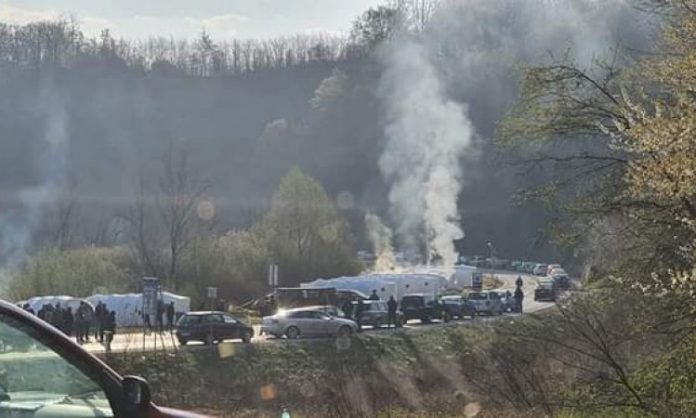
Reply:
x=128 y=306
x=65 y=301
x=397 y=285
x=462 y=277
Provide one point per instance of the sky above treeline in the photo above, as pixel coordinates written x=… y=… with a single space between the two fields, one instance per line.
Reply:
x=222 y=19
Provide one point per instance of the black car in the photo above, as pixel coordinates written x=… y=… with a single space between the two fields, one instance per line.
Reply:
x=210 y=327
x=423 y=306
x=458 y=307
x=545 y=291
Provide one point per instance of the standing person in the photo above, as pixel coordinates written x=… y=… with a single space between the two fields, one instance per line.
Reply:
x=359 y=310
x=146 y=321
x=391 y=312
x=374 y=295
x=77 y=323
x=347 y=308
x=98 y=316
x=518 y=282
x=109 y=329
x=102 y=321
x=48 y=315
x=170 y=316
x=27 y=308
x=87 y=320
x=57 y=317
x=160 y=316
x=519 y=296
x=68 y=321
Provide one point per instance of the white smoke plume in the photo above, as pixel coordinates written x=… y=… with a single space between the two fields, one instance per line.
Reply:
x=427 y=135
x=381 y=237
x=20 y=221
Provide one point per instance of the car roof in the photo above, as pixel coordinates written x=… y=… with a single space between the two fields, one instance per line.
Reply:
x=195 y=313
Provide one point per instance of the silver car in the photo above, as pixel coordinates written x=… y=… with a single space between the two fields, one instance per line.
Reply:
x=303 y=322
x=486 y=302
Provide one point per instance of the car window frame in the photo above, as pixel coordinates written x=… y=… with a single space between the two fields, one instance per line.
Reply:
x=102 y=374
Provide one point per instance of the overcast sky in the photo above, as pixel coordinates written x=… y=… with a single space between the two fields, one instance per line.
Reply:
x=223 y=19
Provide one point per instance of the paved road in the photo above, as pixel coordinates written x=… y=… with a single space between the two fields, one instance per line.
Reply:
x=156 y=341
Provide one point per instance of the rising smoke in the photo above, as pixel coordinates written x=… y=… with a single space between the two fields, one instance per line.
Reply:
x=427 y=135
x=381 y=238
x=451 y=80
x=19 y=223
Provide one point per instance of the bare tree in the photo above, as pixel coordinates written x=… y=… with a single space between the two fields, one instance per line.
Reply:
x=180 y=189
x=137 y=217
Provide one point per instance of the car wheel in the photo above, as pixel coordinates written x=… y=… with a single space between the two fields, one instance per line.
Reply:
x=377 y=323
x=182 y=341
x=344 y=331
x=209 y=340
x=425 y=320
x=246 y=336
x=292 y=332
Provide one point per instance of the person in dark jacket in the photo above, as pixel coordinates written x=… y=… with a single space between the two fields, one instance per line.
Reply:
x=519 y=296
x=391 y=312
x=170 y=316
x=27 y=308
x=347 y=308
x=99 y=314
x=68 y=321
x=518 y=282
x=374 y=295
x=160 y=316
x=359 y=310
x=109 y=329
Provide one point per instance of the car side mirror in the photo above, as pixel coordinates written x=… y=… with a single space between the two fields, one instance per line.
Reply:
x=136 y=395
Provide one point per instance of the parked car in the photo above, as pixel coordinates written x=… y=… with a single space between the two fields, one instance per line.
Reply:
x=458 y=307
x=506 y=299
x=545 y=291
x=561 y=280
x=211 y=327
x=52 y=376
x=306 y=322
x=376 y=314
x=540 y=270
x=554 y=266
x=423 y=306
x=487 y=302
x=555 y=271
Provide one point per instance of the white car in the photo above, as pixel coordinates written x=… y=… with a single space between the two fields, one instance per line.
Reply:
x=303 y=322
x=540 y=270
x=487 y=302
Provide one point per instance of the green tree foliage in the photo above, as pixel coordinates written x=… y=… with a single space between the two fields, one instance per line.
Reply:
x=80 y=272
x=236 y=263
x=305 y=233
x=632 y=196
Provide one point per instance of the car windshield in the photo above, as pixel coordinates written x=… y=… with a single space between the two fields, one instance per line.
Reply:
x=354 y=208
x=34 y=377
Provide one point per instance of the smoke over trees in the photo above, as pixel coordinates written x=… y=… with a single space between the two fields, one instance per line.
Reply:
x=253 y=110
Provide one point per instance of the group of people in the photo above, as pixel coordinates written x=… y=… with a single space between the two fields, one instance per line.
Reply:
x=80 y=322
x=162 y=310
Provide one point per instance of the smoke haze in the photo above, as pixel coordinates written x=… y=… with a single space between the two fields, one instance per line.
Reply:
x=427 y=135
